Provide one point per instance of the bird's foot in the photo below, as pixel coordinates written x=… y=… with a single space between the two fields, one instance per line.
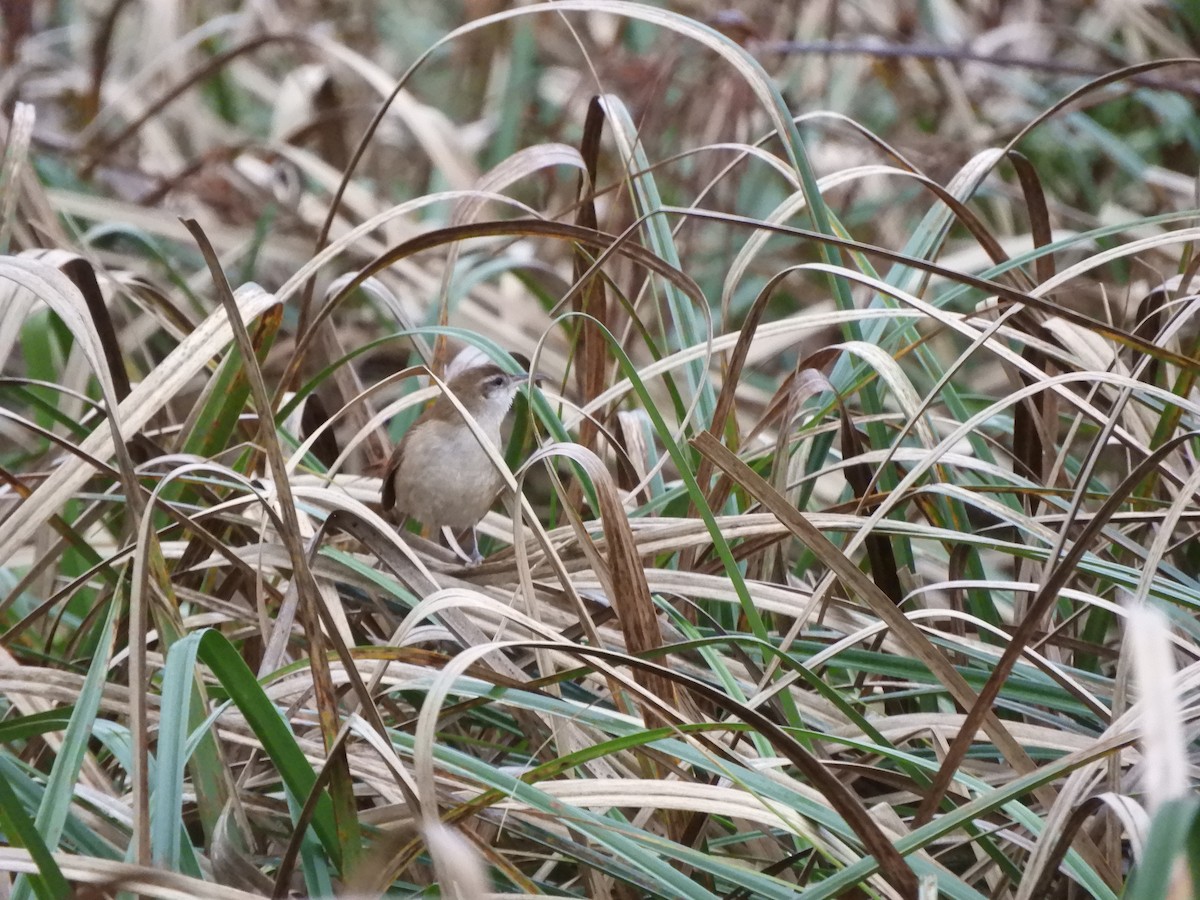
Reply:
x=466 y=548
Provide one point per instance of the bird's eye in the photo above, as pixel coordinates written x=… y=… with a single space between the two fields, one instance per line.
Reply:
x=495 y=381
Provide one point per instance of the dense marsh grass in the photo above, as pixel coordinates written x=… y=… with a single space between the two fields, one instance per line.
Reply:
x=855 y=550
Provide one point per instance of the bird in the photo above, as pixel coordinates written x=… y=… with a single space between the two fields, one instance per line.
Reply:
x=439 y=473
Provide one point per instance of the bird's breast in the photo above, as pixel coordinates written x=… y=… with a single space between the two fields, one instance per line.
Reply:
x=445 y=477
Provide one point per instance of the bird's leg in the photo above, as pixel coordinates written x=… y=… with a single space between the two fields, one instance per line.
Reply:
x=465 y=545
x=473 y=540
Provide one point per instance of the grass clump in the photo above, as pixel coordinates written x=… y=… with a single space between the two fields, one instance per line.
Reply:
x=855 y=542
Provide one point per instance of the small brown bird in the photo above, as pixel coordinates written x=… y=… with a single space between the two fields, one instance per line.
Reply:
x=439 y=472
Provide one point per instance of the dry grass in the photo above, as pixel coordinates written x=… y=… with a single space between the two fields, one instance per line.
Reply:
x=870 y=418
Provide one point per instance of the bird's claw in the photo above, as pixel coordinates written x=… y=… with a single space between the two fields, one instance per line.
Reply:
x=467 y=550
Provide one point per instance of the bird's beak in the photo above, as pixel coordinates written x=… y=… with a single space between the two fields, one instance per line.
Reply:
x=536 y=378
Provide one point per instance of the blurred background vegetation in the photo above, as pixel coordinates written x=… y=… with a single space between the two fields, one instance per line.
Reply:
x=870 y=415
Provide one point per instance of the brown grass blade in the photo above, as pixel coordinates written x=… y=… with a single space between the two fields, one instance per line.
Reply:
x=341 y=785
x=592 y=359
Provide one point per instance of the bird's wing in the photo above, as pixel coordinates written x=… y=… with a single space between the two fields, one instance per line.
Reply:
x=389 y=476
